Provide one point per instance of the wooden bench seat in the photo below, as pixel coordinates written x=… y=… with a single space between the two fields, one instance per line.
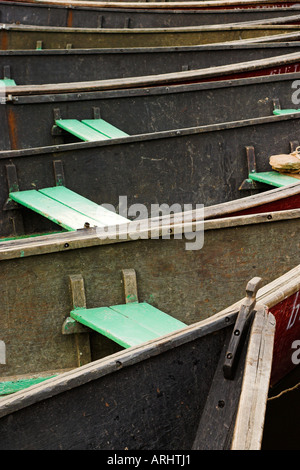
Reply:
x=66 y=208
x=128 y=324
x=273 y=178
x=7 y=82
x=90 y=130
x=280 y=112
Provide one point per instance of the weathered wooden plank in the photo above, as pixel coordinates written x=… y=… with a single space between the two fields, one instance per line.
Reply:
x=117 y=327
x=273 y=178
x=83 y=205
x=25 y=36
x=105 y=128
x=120 y=14
x=56 y=212
x=149 y=317
x=80 y=130
x=249 y=425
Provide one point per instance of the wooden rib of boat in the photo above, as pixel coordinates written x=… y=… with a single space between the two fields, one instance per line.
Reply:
x=18 y=37
x=33 y=67
x=202 y=100
x=187 y=403
x=176 y=273
x=89 y=16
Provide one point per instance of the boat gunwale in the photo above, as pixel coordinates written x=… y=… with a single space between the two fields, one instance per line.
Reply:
x=85 y=238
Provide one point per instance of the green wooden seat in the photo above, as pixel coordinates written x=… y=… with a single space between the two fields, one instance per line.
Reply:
x=280 y=112
x=273 y=178
x=13 y=386
x=7 y=82
x=90 y=130
x=82 y=131
x=105 y=128
x=128 y=324
x=67 y=208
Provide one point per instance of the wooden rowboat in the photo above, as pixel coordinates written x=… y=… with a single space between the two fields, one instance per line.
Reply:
x=176 y=273
x=18 y=37
x=180 y=397
x=219 y=165
x=34 y=67
x=90 y=16
x=195 y=98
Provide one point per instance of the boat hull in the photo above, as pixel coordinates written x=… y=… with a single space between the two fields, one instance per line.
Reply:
x=119 y=17
x=18 y=37
x=146 y=171
x=152 y=397
x=33 y=67
x=175 y=275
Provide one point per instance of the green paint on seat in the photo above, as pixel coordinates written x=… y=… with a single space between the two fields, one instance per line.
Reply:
x=105 y=128
x=129 y=324
x=66 y=208
x=6 y=388
x=80 y=130
x=273 y=178
x=83 y=205
x=7 y=82
x=280 y=112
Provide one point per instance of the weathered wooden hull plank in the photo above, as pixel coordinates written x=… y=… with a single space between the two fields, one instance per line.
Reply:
x=133 y=17
x=170 y=400
x=14 y=37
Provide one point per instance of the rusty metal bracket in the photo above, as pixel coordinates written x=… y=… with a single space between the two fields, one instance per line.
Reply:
x=241 y=328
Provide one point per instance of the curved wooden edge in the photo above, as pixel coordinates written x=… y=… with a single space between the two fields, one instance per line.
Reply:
x=131 y=231
x=172 y=77
x=156 y=5
x=248 y=431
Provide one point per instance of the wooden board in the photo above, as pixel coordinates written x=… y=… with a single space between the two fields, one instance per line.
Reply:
x=18 y=37
x=80 y=130
x=188 y=285
x=128 y=324
x=66 y=208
